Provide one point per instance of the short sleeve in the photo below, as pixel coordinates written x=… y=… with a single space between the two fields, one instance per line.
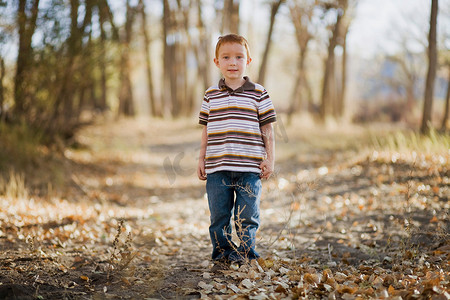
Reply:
x=204 y=111
x=266 y=110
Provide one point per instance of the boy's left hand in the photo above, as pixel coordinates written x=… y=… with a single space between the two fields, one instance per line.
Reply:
x=266 y=167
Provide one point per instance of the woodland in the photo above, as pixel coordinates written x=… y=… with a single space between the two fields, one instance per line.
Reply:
x=99 y=142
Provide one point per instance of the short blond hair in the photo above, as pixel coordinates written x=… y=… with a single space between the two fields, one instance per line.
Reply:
x=232 y=38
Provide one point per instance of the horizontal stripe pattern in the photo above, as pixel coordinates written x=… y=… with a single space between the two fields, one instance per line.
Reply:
x=234 y=120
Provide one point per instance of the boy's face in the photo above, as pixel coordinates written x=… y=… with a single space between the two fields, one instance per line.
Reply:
x=232 y=61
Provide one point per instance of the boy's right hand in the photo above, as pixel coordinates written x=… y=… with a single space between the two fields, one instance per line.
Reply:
x=201 y=170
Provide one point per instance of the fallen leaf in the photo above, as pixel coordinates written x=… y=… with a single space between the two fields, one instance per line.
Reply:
x=205 y=286
x=280 y=289
x=247 y=283
x=234 y=288
x=311 y=278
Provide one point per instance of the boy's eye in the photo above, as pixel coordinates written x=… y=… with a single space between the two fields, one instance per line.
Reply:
x=225 y=57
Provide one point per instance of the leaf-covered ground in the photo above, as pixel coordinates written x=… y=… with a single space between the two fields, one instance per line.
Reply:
x=129 y=220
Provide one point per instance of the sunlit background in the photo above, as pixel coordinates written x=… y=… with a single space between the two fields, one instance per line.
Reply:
x=378 y=73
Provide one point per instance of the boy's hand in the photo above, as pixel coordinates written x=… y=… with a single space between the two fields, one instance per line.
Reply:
x=267 y=167
x=201 y=170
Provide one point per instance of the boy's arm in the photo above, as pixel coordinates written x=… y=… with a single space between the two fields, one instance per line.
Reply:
x=267 y=166
x=201 y=159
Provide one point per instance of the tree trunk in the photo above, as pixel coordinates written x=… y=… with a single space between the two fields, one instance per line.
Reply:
x=262 y=70
x=154 y=106
x=167 y=95
x=105 y=14
x=230 y=17
x=2 y=90
x=86 y=88
x=431 y=75
x=301 y=18
x=27 y=26
x=300 y=85
x=86 y=68
x=106 y=10
x=201 y=51
x=186 y=92
x=328 y=85
x=178 y=96
x=126 y=104
x=447 y=103
x=343 y=86
x=74 y=44
x=102 y=105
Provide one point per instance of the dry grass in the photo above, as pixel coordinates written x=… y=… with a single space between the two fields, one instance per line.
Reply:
x=14 y=186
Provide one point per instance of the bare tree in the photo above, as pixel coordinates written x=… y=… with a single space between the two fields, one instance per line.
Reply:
x=333 y=90
x=126 y=104
x=407 y=76
x=275 y=6
x=154 y=105
x=102 y=105
x=301 y=16
x=105 y=16
x=202 y=48
x=431 y=74
x=2 y=89
x=230 y=16
x=328 y=96
x=340 y=99
x=178 y=96
x=27 y=27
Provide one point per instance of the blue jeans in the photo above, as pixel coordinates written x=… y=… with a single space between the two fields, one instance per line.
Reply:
x=239 y=192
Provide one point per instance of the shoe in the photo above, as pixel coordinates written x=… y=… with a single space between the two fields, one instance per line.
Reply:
x=236 y=258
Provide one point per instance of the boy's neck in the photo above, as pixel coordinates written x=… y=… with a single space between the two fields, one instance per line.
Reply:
x=234 y=83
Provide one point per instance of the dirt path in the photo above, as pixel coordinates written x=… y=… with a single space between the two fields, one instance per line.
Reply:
x=331 y=204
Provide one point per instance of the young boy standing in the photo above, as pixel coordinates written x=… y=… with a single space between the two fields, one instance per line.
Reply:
x=237 y=150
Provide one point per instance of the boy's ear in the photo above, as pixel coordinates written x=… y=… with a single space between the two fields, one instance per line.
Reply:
x=249 y=60
x=216 y=61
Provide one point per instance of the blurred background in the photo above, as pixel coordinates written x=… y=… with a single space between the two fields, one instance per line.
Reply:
x=66 y=62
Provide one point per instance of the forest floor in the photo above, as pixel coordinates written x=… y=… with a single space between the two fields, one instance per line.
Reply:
x=127 y=218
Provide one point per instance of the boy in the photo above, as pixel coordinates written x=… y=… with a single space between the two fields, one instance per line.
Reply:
x=237 y=150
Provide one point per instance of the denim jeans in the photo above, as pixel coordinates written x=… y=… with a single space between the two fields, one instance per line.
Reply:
x=239 y=192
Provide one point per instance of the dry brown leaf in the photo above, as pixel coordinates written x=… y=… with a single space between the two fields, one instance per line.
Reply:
x=280 y=289
x=311 y=278
x=344 y=289
x=388 y=280
x=340 y=277
x=434 y=219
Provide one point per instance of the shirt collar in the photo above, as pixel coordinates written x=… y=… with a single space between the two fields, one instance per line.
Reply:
x=247 y=86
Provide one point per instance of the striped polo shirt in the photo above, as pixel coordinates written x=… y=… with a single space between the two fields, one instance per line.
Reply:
x=234 y=119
